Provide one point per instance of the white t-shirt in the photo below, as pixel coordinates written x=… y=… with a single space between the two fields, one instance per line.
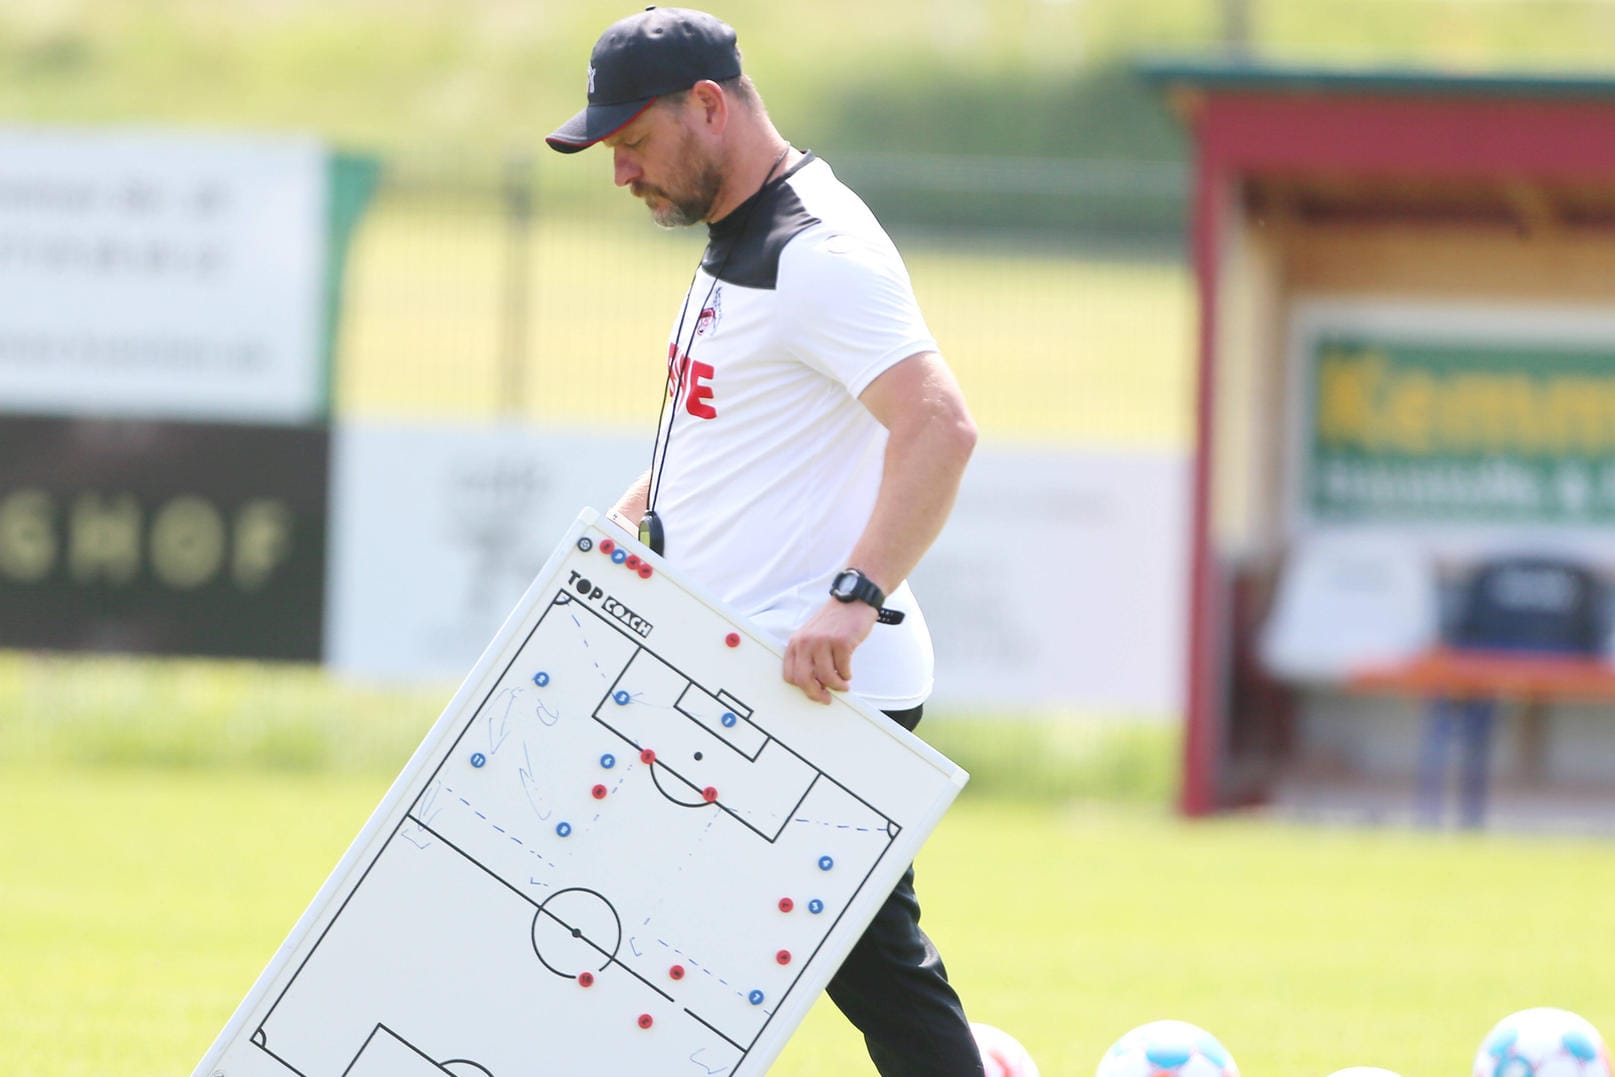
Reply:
x=772 y=464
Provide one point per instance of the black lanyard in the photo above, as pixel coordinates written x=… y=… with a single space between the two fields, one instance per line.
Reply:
x=651 y=531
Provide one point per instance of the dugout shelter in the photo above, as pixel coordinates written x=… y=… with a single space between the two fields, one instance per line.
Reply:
x=1405 y=368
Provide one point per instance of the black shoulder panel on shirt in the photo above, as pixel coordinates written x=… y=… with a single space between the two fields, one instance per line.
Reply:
x=744 y=248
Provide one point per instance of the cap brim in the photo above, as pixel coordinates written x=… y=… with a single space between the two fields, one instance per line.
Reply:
x=595 y=123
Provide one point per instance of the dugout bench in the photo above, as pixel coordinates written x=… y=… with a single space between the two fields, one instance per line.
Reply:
x=1406 y=329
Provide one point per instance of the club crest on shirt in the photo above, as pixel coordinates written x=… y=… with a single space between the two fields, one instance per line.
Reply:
x=711 y=314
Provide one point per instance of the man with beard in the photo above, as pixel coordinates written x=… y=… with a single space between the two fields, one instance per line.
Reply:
x=812 y=440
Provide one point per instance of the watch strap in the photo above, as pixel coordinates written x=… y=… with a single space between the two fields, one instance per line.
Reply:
x=865 y=590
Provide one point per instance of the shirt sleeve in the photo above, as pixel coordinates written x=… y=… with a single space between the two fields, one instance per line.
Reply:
x=848 y=308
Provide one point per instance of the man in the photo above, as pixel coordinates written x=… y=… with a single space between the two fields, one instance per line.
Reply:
x=812 y=438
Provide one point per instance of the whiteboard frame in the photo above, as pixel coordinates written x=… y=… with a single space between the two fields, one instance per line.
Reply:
x=463 y=707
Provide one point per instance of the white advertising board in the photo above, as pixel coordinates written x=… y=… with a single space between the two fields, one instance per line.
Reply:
x=162 y=275
x=436 y=530
x=1061 y=581
x=1058 y=581
x=626 y=847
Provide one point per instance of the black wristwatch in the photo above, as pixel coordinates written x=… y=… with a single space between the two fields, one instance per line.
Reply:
x=850 y=585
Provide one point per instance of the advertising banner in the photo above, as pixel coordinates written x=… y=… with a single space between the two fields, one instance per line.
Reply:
x=440 y=528
x=1059 y=582
x=162 y=537
x=1480 y=417
x=151 y=274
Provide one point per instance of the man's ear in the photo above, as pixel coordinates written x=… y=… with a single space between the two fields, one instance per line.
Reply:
x=710 y=105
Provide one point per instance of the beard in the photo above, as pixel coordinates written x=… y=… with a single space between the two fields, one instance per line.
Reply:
x=687 y=199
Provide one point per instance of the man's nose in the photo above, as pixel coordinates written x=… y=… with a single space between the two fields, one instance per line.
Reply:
x=627 y=168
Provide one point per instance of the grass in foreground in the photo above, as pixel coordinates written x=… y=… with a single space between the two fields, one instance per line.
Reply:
x=116 y=713
x=138 y=905
x=168 y=821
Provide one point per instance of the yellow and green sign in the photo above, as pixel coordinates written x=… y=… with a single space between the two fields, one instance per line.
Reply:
x=1408 y=429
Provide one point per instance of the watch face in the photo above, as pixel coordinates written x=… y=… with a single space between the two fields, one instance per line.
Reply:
x=844 y=586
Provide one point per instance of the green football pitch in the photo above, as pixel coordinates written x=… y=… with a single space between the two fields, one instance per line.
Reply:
x=138 y=905
x=1050 y=344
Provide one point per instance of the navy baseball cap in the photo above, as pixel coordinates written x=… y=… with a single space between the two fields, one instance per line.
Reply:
x=661 y=50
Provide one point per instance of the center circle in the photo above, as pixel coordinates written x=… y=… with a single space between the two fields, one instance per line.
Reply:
x=576 y=930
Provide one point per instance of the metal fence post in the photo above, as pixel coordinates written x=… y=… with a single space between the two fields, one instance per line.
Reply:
x=518 y=213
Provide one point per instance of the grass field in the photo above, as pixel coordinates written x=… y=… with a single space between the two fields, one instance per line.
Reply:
x=496 y=72
x=1050 y=345
x=137 y=905
x=168 y=822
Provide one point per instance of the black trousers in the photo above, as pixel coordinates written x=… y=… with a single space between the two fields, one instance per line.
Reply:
x=894 y=989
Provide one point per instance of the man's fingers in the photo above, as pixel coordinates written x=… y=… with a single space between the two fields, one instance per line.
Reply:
x=788 y=669
x=814 y=667
x=800 y=670
x=818 y=658
x=842 y=652
x=825 y=669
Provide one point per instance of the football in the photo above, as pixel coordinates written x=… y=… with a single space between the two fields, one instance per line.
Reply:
x=1542 y=1042
x=1167 y=1049
x=1001 y=1054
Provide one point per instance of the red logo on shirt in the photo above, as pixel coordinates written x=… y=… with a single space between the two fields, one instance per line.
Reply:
x=694 y=380
x=710 y=315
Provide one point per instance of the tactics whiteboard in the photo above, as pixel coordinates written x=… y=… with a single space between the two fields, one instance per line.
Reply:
x=626 y=847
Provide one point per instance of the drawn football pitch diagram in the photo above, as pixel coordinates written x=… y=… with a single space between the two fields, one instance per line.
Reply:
x=626 y=847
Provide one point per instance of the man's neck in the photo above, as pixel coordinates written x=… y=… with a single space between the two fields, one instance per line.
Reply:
x=769 y=160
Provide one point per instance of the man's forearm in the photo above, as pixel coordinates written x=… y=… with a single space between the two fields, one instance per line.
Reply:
x=923 y=467
x=925 y=459
x=929 y=440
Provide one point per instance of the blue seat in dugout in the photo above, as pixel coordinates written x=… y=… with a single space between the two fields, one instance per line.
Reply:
x=1523 y=605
